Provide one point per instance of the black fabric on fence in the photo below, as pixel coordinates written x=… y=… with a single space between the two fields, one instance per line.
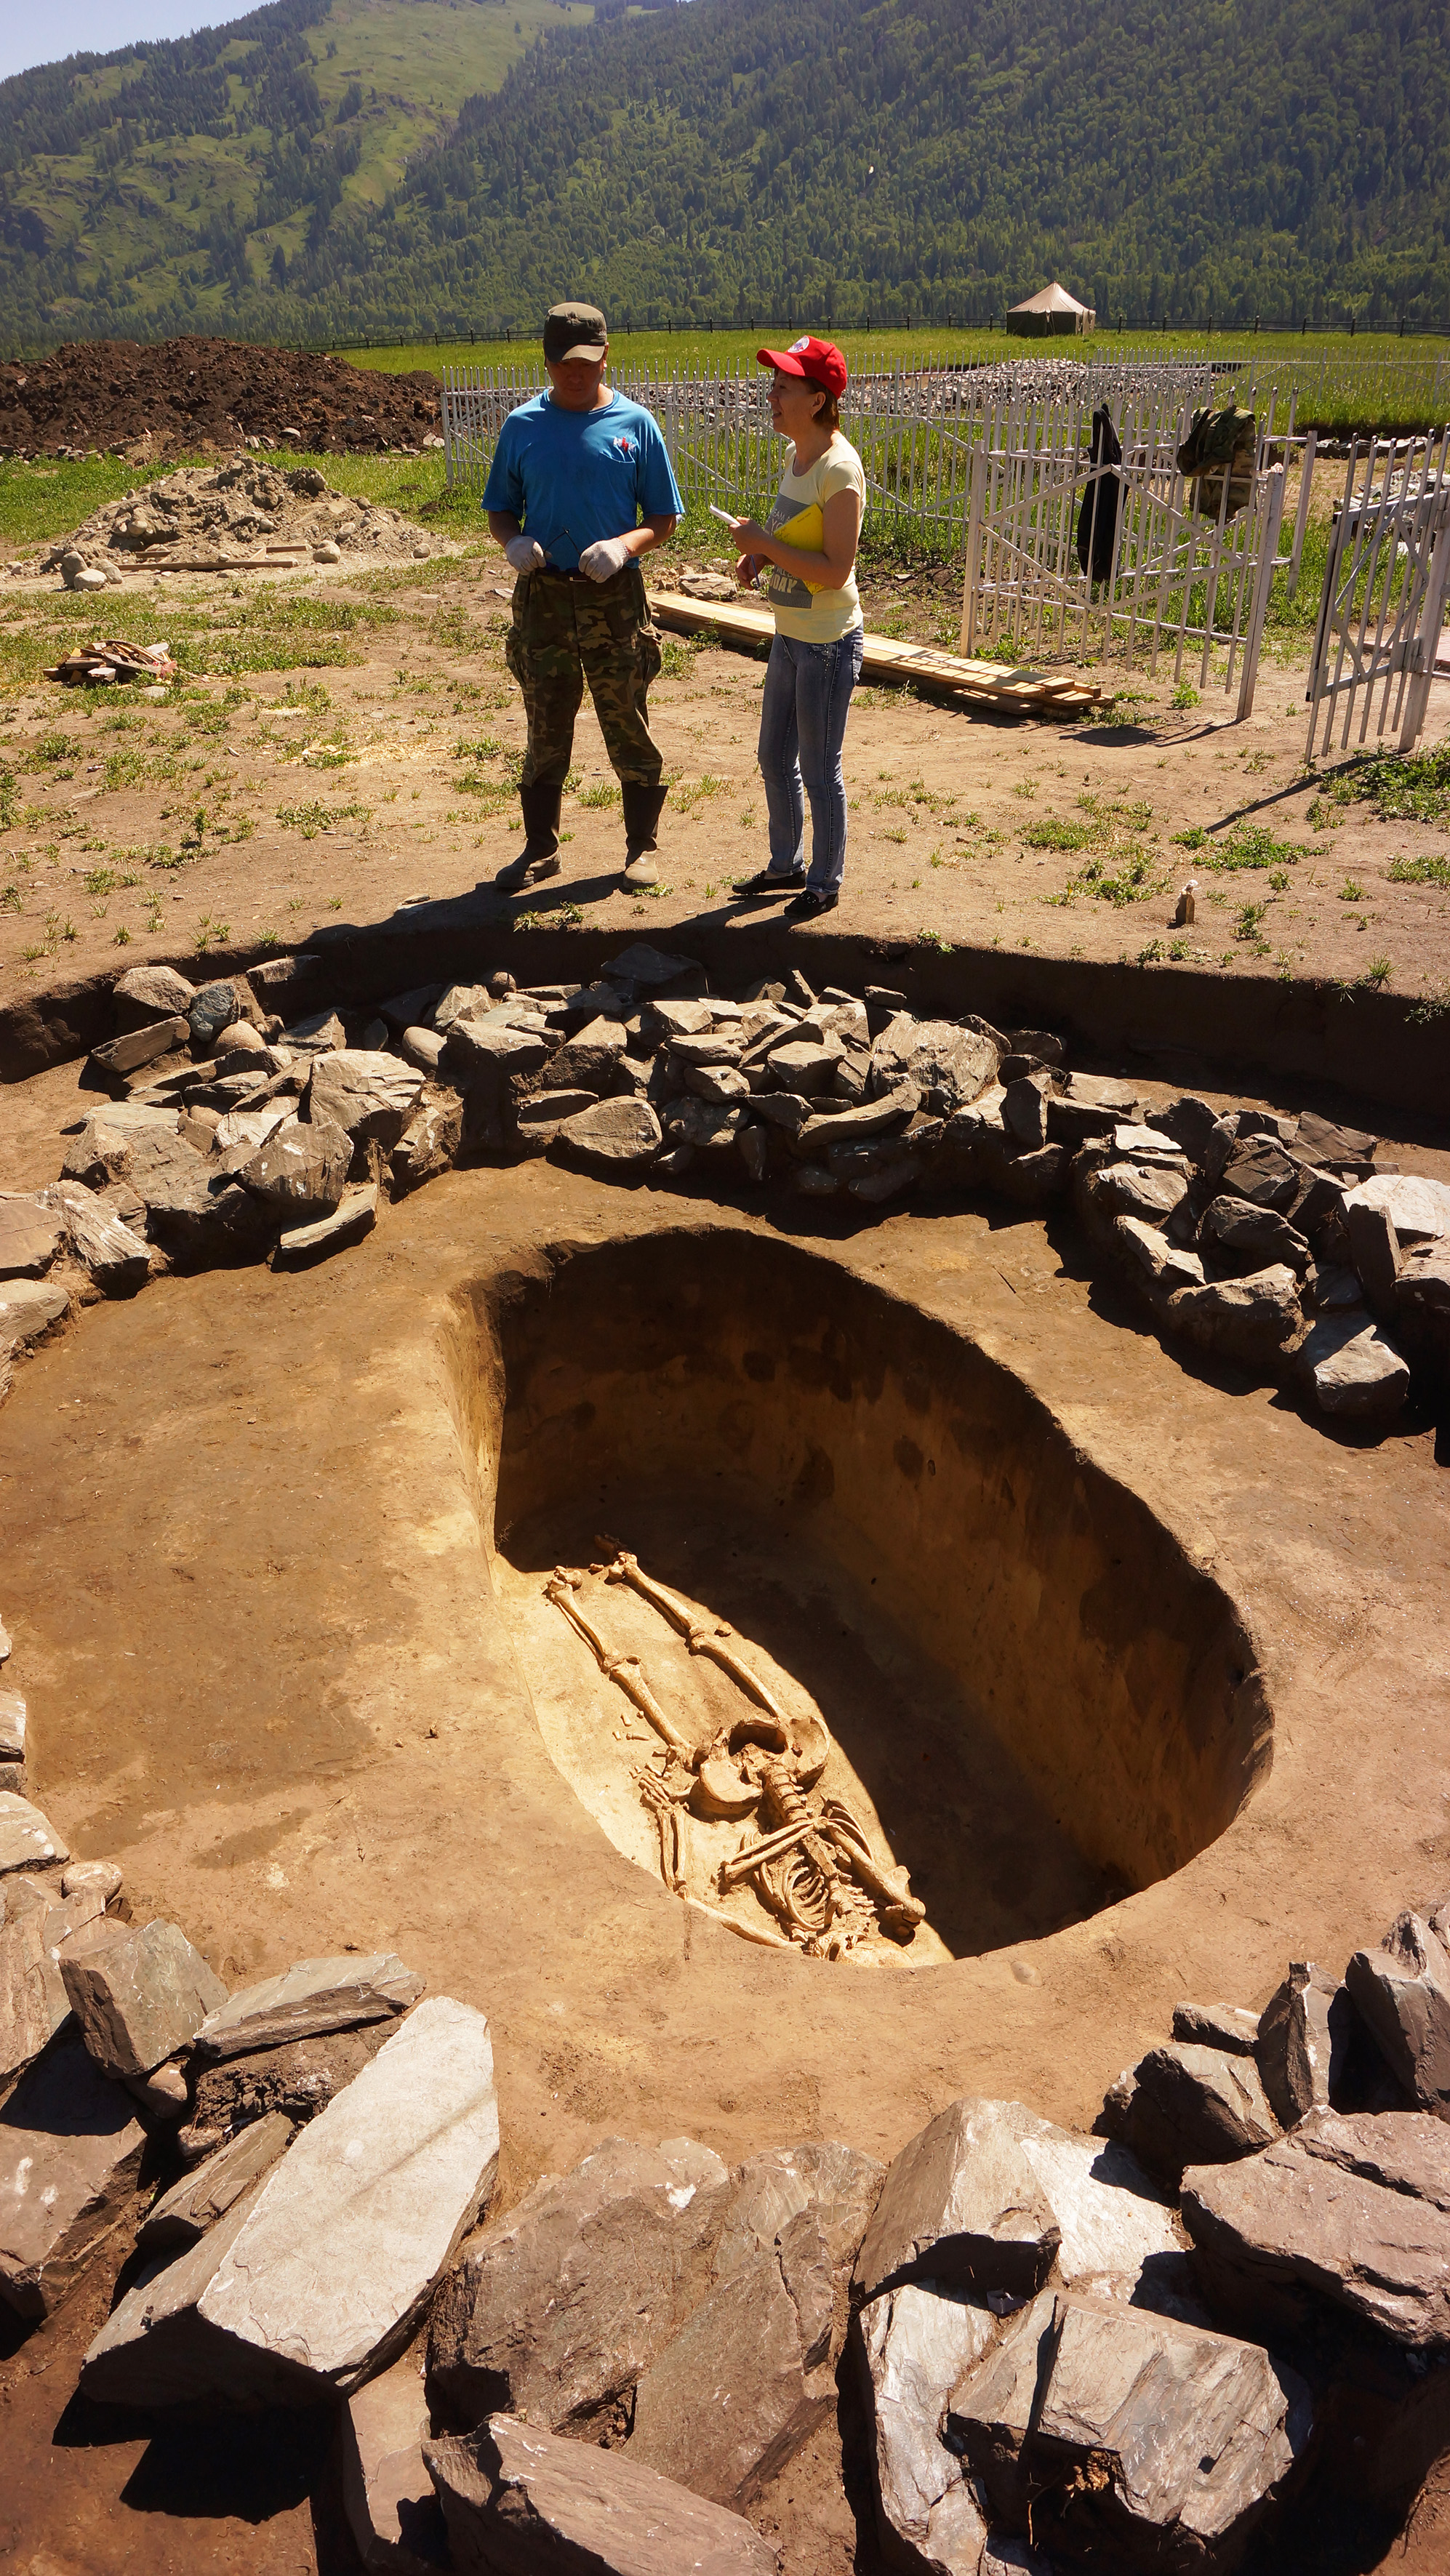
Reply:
x=1097 y=520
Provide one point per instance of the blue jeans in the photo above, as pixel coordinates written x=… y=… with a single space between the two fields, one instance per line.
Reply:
x=802 y=728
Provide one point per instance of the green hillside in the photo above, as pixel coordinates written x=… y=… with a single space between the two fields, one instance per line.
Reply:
x=151 y=190
x=736 y=159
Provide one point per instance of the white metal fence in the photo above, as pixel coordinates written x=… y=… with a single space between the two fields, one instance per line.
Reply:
x=1386 y=590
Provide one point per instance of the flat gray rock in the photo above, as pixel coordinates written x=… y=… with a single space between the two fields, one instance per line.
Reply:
x=155 y=2351
x=1166 y=1264
x=916 y=2343
x=1165 y=2443
x=70 y=2151
x=300 y=1168
x=1242 y=1227
x=314 y=1995
x=140 y=1992
x=210 y=2189
x=804 y=1065
x=350 y=2232
x=38 y=1920
x=1152 y=1191
x=31 y=1234
x=387 y=2494
x=1349 y=2213
x=538 y=1120
x=962 y=2205
x=369 y=1095
x=141 y=1046
x=1191 y=2105
x=646 y=969
x=519 y=2501
x=1091 y=1105
x=28 y=1839
x=1349 y=1368
x=1402 y=1992
x=617 y=1136
x=562 y=2305
x=354 y=1216
x=819 y=1133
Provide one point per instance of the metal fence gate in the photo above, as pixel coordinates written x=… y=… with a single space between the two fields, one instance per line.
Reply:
x=1386 y=590
x=1179 y=568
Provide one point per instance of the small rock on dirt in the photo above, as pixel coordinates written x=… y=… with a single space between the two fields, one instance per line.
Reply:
x=1227 y=2026
x=1251 y=1321
x=301 y=1168
x=1304 y=2039
x=430 y=1141
x=369 y=1095
x=355 y=1215
x=523 y=2502
x=1349 y=1368
x=150 y=993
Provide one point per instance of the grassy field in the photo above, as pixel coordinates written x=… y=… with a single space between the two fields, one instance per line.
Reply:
x=1369 y=380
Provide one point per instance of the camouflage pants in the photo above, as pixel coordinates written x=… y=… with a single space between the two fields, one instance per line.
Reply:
x=566 y=632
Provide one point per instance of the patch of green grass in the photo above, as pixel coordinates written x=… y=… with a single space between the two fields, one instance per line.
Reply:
x=1247 y=920
x=1425 y=871
x=604 y=792
x=1351 y=891
x=1052 y=834
x=1401 y=786
x=1245 y=845
x=309 y=820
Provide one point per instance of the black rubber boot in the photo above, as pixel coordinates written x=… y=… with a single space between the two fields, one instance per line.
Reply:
x=540 y=854
x=643 y=807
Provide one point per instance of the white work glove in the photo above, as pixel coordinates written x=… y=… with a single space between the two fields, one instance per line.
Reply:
x=524 y=553
x=606 y=557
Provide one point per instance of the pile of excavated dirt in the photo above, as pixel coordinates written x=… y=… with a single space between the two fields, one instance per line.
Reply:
x=240 y=516
x=184 y=395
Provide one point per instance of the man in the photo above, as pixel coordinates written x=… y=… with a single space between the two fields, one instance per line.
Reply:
x=581 y=487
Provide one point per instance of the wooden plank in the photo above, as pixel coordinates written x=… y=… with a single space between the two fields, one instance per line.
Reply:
x=885 y=659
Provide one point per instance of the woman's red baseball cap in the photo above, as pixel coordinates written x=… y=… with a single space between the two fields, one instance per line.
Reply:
x=821 y=360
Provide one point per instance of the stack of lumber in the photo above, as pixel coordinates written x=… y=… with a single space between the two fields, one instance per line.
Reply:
x=994 y=684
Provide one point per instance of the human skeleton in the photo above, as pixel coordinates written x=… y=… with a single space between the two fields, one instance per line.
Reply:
x=811 y=1866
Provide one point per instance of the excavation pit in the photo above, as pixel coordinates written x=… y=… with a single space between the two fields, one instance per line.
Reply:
x=1033 y=1702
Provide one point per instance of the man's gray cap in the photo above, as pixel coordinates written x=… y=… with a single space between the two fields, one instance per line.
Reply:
x=574 y=331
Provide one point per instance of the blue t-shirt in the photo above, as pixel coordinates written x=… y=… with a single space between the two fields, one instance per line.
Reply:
x=572 y=476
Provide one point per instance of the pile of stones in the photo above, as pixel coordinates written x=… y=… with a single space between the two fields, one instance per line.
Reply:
x=1050 y=2350
x=233 y=1133
x=232 y=517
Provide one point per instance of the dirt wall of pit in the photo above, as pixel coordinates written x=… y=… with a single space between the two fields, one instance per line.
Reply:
x=1118 y=1677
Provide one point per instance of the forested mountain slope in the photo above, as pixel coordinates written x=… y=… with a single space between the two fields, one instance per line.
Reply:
x=825 y=159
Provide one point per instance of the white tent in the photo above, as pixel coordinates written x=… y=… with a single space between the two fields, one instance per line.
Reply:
x=1051 y=309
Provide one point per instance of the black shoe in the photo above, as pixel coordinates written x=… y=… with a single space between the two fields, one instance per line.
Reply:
x=808 y=905
x=526 y=872
x=771 y=881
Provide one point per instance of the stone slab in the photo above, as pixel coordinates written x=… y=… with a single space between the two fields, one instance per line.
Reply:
x=211 y=2188
x=1349 y=2214
x=301 y=1167
x=140 y=1992
x=387 y=2494
x=615 y=1136
x=311 y=1996
x=300 y=2078
x=1303 y=2044
x=519 y=2501
x=354 y=1216
x=961 y=2205
x=28 y=1839
x=559 y=2308
x=28 y=1308
x=1402 y=1993
x=31 y=1234
x=368 y=1094
x=350 y=2232
x=116 y=1259
x=140 y=1046
x=915 y=2344
x=12 y=1728
x=1349 y=1368
x=70 y=2150
x=1418 y=1209
x=1191 y=2105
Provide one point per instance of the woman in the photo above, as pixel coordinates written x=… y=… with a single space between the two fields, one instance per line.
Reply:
x=804 y=562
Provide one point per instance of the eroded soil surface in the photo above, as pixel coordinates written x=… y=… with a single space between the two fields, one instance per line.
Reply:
x=257 y=803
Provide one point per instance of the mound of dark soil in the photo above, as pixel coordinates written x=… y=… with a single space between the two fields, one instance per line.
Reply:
x=185 y=396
